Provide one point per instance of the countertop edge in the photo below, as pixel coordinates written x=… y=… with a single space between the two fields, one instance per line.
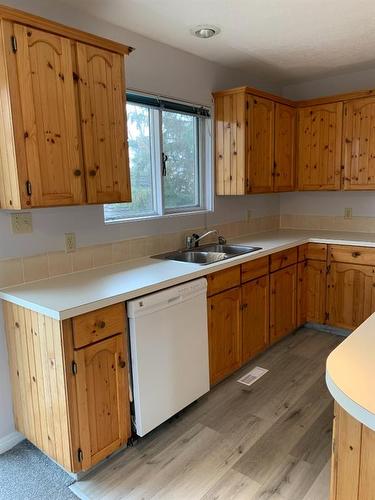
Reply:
x=354 y=409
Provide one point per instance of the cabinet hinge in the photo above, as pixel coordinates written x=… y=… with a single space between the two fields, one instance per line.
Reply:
x=13 y=41
x=80 y=455
x=74 y=368
x=29 y=189
x=247 y=104
x=326 y=316
x=328 y=268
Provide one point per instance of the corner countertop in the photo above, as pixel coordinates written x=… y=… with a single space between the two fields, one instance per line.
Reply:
x=350 y=373
x=67 y=296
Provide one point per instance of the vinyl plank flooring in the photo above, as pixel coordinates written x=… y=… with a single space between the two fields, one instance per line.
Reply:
x=272 y=442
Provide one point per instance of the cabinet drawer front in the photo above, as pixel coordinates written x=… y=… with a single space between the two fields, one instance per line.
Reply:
x=352 y=254
x=283 y=259
x=254 y=269
x=223 y=280
x=98 y=325
x=313 y=251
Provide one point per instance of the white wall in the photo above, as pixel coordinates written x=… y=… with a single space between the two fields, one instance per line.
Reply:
x=330 y=203
x=154 y=68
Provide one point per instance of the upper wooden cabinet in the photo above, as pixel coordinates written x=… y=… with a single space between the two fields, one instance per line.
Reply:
x=260 y=120
x=359 y=144
x=101 y=84
x=255 y=137
x=285 y=147
x=63 y=137
x=319 y=147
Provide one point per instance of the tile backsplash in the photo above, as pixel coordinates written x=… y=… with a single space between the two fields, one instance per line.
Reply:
x=26 y=269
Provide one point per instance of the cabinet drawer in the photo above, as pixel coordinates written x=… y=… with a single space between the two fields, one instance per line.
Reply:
x=352 y=254
x=98 y=325
x=313 y=251
x=254 y=269
x=283 y=259
x=223 y=280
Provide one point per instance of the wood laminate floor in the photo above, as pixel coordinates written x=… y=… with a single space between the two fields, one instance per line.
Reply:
x=272 y=442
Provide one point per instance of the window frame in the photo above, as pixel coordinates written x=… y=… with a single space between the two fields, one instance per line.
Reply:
x=204 y=155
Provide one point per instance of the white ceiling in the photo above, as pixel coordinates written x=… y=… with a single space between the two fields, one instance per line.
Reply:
x=282 y=40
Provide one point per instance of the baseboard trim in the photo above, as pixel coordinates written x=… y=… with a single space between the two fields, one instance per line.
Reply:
x=9 y=441
x=342 y=332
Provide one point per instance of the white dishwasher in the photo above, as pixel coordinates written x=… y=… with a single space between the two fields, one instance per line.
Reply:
x=169 y=352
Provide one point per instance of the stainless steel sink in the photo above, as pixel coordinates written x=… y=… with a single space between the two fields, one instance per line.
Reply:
x=208 y=254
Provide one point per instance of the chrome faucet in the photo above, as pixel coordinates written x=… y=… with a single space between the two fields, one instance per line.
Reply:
x=193 y=240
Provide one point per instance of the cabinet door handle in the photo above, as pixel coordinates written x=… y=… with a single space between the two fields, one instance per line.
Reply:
x=121 y=362
x=356 y=254
x=100 y=324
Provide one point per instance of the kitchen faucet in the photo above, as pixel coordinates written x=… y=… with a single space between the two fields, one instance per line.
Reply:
x=193 y=240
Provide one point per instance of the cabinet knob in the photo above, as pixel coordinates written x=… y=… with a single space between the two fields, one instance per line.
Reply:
x=356 y=254
x=100 y=324
x=77 y=172
x=121 y=363
x=92 y=173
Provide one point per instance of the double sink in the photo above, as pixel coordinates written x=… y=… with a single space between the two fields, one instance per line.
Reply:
x=208 y=254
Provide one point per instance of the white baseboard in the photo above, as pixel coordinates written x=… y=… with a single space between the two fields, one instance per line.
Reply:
x=9 y=441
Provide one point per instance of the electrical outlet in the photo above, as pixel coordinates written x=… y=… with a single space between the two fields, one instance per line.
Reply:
x=347 y=213
x=22 y=222
x=248 y=215
x=70 y=242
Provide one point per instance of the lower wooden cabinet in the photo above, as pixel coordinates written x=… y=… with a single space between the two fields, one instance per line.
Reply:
x=312 y=284
x=224 y=333
x=73 y=404
x=353 y=459
x=103 y=411
x=283 y=302
x=255 y=317
x=351 y=294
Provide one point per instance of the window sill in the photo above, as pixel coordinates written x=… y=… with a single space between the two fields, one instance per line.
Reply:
x=146 y=218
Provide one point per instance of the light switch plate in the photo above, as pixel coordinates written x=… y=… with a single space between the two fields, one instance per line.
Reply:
x=22 y=223
x=348 y=213
x=70 y=242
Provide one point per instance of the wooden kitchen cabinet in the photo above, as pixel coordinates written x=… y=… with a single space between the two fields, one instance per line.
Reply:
x=255 y=317
x=319 y=147
x=351 y=294
x=63 y=137
x=283 y=302
x=255 y=142
x=224 y=333
x=103 y=411
x=101 y=84
x=71 y=403
x=311 y=292
x=260 y=144
x=359 y=144
x=285 y=148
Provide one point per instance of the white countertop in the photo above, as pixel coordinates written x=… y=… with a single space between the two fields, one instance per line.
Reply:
x=73 y=294
x=350 y=373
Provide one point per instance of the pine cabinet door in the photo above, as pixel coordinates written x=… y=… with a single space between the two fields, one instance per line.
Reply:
x=319 y=147
x=102 y=399
x=359 y=144
x=260 y=144
x=49 y=119
x=224 y=333
x=351 y=294
x=312 y=285
x=283 y=302
x=255 y=317
x=230 y=144
x=101 y=84
x=285 y=145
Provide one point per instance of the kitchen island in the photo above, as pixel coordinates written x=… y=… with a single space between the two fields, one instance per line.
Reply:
x=350 y=379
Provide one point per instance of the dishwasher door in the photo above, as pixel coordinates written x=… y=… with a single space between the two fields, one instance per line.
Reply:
x=169 y=352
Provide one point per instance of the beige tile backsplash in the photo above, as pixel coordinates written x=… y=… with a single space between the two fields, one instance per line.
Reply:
x=328 y=222
x=22 y=270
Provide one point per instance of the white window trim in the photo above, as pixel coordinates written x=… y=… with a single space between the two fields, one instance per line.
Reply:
x=206 y=195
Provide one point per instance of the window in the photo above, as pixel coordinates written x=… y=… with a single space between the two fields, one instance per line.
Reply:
x=170 y=159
